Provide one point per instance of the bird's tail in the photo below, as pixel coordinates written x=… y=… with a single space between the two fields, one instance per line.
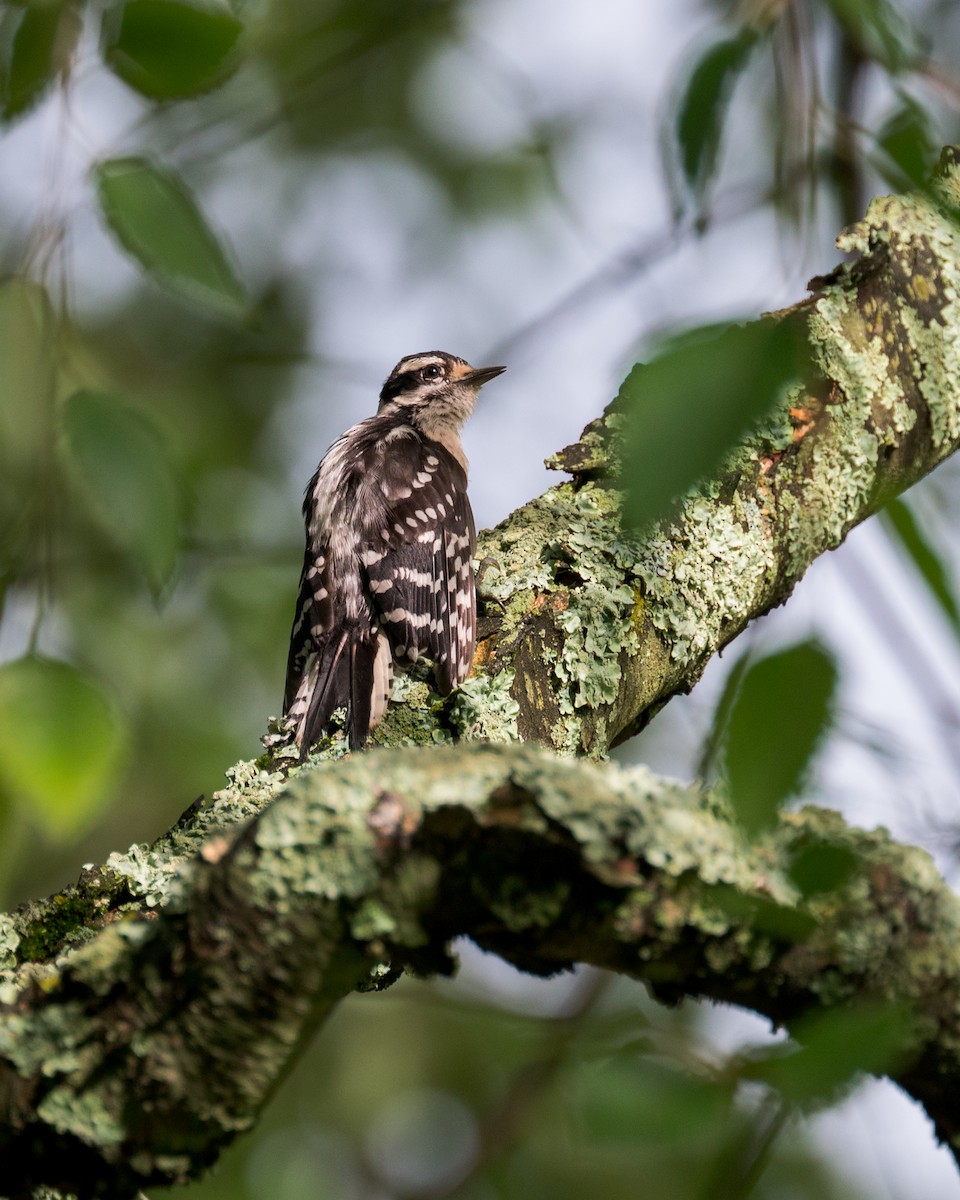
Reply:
x=352 y=671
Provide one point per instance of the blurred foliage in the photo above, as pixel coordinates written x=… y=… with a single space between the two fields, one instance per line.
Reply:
x=748 y=368
x=429 y=1092
x=833 y=1049
x=781 y=714
x=59 y=742
x=703 y=107
x=907 y=143
x=929 y=564
x=167 y=50
x=811 y=68
x=39 y=41
x=150 y=539
x=122 y=466
x=155 y=218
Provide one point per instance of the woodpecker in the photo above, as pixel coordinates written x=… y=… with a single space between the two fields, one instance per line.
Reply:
x=388 y=571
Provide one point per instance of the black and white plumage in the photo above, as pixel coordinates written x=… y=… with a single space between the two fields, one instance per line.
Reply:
x=387 y=574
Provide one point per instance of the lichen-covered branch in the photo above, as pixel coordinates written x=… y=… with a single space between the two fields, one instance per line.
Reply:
x=133 y=1059
x=587 y=632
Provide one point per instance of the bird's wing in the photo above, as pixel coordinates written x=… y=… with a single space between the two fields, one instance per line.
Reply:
x=313 y=616
x=418 y=563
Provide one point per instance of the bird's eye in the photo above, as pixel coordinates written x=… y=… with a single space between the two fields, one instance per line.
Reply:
x=427 y=374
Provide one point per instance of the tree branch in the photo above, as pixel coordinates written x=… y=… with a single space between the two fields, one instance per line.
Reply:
x=592 y=631
x=147 y=1014
x=136 y=1057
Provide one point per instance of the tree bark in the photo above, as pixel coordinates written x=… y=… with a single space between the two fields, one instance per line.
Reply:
x=147 y=1014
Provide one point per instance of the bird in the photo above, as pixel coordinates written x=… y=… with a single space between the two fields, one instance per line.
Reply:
x=388 y=566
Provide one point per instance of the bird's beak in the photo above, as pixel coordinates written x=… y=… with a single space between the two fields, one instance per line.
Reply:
x=481 y=375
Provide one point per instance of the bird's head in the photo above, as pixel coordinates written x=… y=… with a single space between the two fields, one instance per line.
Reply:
x=437 y=388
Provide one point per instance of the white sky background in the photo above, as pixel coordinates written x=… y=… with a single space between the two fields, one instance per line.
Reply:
x=381 y=286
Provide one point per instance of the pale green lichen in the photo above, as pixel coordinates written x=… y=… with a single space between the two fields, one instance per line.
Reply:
x=674 y=827
x=482 y=708
x=845 y=464
x=707 y=574
x=9 y=941
x=48 y=1041
x=288 y=834
x=104 y=959
x=82 y=1114
x=698 y=579
x=923 y=243
x=510 y=556
x=373 y=921
x=567 y=735
x=412 y=717
x=937 y=385
x=597 y=627
x=865 y=345
x=575 y=530
x=149 y=873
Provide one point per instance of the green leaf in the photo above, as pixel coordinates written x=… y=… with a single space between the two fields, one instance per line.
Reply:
x=721 y=716
x=60 y=743
x=880 y=32
x=27 y=336
x=835 y=1047
x=906 y=141
x=123 y=467
x=762 y=915
x=689 y=406
x=782 y=713
x=27 y=380
x=703 y=106
x=167 y=49
x=822 y=868
x=901 y=524
x=155 y=218
x=628 y=1100
x=40 y=47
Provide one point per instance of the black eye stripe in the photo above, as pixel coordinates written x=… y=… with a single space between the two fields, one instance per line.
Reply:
x=399 y=384
x=409 y=381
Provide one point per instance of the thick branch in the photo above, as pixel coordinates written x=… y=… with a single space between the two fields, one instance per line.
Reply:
x=135 y=1058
